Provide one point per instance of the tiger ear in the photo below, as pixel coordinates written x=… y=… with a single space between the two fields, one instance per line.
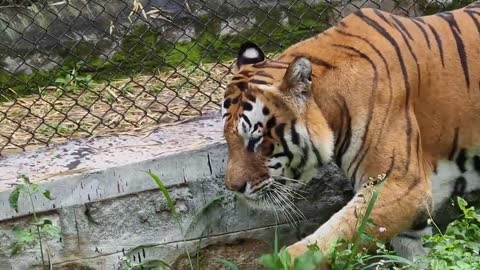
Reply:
x=298 y=78
x=249 y=53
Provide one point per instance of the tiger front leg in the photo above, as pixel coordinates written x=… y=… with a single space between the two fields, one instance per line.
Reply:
x=400 y=205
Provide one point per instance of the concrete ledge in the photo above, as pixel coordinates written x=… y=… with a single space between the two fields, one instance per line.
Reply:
x=107 y=206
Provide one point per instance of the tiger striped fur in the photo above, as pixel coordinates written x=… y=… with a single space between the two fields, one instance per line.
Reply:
x=377 y=94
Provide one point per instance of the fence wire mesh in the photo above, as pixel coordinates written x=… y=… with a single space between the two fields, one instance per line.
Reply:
x=73 y=68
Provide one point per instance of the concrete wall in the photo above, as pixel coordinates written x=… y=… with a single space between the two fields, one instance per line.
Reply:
x=109 y=209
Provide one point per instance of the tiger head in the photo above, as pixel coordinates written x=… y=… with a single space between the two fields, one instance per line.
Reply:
x=276 y=134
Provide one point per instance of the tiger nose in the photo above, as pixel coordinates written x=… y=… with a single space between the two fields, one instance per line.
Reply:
x=238 y=187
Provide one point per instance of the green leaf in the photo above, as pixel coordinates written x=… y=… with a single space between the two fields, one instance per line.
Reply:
x=271 y=262
x=285 y=258
x=36 y=188
x=230 y=265
x=51 y=230
x=308 y=260
x=462 y=204
x=15 y=195
x=166 y=194
x=24 y=236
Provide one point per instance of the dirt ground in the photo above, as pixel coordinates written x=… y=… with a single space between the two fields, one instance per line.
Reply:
x=244 y=253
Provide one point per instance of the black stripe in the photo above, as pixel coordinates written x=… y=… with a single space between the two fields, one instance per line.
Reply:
x=263 y=74
x=281 y=154
x=388 y=75
x=266 y=64
x=461 y=160
x=450 y=19
x=392 y=41
x=247 y=106
x=404 y=37
x=225 y=115
x=304 y=158
x=226 y=103
x=242 y=85
x=246 y=120
x=296 y=173
x=246 y=73
x=257 y=81
x=439 y=42
x=343 y=132
x=419 y=19
x=295 y=135
x=354 y=174
x=419 y=225
x=419 y=159
x=453 y=151
x=252 y=143
x=348 y=135
x=265 y=110
x=474 y=12
x=380 y=14
x=276 y=166
x=402 y=26
x=371 y=102
x=340 y=132
x=271 y=122
x=425 y=35
x=280 y=131
x=475 y=4
x=459 y=187
x=476 y=164
x=250 y=96
x=475 y=21
x=314 y=60
x=257 y=126
x=236 y=99
x=390 y=168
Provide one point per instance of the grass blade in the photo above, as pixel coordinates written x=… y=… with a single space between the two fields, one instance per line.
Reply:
x=363 y=224
x=230 y=265
x=173 y=209
x=166 y=194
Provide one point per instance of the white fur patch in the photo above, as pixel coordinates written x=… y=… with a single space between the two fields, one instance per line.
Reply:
x=443 y=182
x=251 y=53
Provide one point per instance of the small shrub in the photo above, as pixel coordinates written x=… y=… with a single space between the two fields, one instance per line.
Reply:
x=35 y=232
x=459 y=246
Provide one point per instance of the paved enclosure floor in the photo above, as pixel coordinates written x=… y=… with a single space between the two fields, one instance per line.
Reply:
x=99 y=153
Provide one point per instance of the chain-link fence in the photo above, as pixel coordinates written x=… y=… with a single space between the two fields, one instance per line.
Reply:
x=72 y=68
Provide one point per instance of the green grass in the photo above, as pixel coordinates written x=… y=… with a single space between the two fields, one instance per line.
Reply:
x=456 y=248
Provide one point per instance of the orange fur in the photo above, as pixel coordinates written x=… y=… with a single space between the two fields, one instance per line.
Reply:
x=398 y=94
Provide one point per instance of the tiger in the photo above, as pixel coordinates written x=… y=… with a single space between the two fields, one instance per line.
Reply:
x=376 y=94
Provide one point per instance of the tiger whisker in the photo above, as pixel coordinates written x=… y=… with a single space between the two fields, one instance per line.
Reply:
x=271 y=204
x=290 y=179
x=293 y=192
x=288 y=216
x=289 y=207
x=292 y=206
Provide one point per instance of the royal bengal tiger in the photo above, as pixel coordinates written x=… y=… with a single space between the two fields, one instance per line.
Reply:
x=377 y=94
